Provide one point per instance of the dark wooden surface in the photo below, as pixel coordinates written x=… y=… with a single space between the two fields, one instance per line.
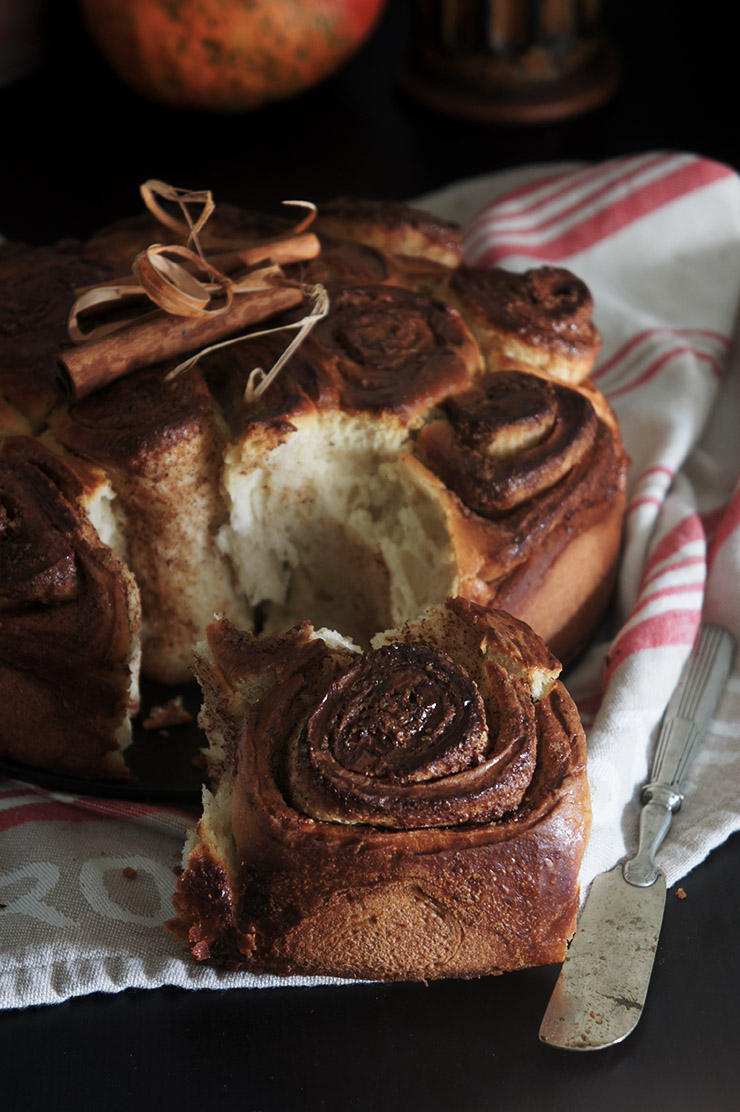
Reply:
x=75 y=146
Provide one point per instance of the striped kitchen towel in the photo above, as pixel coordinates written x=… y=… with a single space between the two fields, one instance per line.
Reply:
x=85 y=884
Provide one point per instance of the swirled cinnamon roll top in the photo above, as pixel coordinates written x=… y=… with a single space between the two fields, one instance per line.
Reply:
x=69 y=623
x=541 y=318
x=394 y=350
x=391 y=730
x=523 y=458
x=423 y=780
x=509 y=439
x=381 y=351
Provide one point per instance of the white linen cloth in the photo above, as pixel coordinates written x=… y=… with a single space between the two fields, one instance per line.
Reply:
x=85 y=884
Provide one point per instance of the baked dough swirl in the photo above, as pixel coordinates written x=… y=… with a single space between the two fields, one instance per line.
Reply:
x=444 y=831
x=395 y=349
x=522 y=458
x=382 y=349
x=512 y=437
x=541 y=318
x=69 y=623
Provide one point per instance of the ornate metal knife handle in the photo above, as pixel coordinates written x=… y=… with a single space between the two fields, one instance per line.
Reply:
x=683 y=726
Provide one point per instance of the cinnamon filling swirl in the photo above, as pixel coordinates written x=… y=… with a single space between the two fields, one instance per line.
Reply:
x=407 y=739
x=69 y=616
x=510 y=439
x=385 y=348
x=546 y=305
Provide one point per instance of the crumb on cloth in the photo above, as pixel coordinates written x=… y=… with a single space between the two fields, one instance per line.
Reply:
x=171 y=713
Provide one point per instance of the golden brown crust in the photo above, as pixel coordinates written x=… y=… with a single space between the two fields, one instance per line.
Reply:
x=541 y=318
x=382 y=351
x=536 y=473
x=38 y=287
x=161 y=444
x=453 y=893
x=69 y=616
x=392 y=227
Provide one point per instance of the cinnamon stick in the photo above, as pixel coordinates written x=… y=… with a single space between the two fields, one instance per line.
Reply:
x=161 y=336
x=198 y=301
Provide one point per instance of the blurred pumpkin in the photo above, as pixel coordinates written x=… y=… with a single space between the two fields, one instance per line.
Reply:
x=227 y=55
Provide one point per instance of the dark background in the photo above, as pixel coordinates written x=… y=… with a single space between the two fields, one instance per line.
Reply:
x=75 y=146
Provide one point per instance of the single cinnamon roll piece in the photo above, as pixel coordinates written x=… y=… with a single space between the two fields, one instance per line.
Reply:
x=161 y=445
x=69 y=624
x=534 y=474
x=540 y=319
x=414 y=812
x=392 y=351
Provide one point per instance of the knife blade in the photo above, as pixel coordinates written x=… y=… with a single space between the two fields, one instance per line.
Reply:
x=600 y=993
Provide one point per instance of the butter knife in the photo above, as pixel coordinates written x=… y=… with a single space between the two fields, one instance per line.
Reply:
x=600 y=993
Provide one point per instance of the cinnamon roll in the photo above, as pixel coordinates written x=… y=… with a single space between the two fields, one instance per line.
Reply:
x=412 y=812
x=390 y=350
x=540 y=319
x=535 y=480
x=69 y=623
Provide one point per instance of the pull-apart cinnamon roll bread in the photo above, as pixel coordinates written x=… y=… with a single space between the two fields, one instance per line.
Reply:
x=433 y=436
x=415 y=811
